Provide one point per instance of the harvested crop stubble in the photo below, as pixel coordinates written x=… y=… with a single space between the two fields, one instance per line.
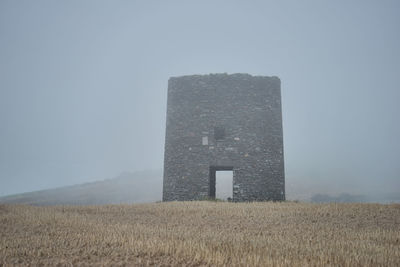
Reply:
x=202 y=233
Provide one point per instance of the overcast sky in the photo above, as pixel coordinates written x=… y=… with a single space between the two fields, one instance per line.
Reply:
x=83 y=84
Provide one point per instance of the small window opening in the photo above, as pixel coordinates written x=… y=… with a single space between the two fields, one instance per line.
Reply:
x=219 y=133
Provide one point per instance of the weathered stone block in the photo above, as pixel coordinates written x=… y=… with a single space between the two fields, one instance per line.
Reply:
x=224 y=122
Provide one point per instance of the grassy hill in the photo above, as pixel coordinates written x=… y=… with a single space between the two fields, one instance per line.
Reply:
x=202 y=234
x=138 y=187
x=146 y=186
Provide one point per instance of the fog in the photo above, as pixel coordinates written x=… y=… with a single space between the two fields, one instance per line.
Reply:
x=83 y=85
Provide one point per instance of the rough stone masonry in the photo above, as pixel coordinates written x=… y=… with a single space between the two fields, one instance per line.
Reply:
x=224 y=122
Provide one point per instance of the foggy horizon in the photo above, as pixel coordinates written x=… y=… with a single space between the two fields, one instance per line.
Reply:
x=83 y=85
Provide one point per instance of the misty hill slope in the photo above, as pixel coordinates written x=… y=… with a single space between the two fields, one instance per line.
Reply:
x=138 y=187
x=146 y=186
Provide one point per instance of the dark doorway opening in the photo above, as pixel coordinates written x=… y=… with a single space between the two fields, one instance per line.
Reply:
x=221 y=182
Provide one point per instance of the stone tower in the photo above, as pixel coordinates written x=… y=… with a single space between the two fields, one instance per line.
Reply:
x=224 y=122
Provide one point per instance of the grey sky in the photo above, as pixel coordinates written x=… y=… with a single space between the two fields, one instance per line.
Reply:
x=83 y=84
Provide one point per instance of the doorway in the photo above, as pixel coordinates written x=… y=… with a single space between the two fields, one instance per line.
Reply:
x=221 y=182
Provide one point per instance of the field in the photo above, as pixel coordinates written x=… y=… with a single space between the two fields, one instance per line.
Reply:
x=202 y=233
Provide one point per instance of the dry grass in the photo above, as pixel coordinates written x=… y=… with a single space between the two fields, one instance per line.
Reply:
x=202 y=233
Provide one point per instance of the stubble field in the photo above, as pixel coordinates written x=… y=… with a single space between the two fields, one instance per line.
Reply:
x=202 y=233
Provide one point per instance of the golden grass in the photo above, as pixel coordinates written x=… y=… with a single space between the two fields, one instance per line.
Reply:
x=202 y=233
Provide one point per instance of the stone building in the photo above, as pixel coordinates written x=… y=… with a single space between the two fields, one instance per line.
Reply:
x=224 y=122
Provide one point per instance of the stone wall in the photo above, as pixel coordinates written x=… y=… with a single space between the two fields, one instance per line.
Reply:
x=224 y=122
